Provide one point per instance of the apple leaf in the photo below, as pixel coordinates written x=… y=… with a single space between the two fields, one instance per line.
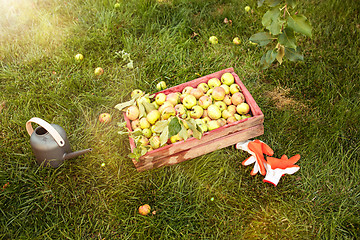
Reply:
x=300 y=24
x=141 y=110
x=291 y=3
x=273 y=3
x=280 y=53
x=174 y=126
x=164 y=136
x=260 y=3
x=124 y=105
x=271 y=21
x=294 y=55
x=148 y=106
x=287 y=38
x=262 y=38
x=160 y=126
x=193 y=126
x=183 y=133
x=268 y=58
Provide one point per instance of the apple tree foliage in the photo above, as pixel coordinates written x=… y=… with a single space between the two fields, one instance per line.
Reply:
x=282 y=25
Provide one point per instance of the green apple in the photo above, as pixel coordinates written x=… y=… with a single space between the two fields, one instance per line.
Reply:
x=144 y=123
x=117 y=5
x=132 y=112
x=196 y=111
x=214 y=112
x=187 y=90
x=221 y=105
x=205 y=101
x=214 y=82
x=247 y=8
x=213 y=124
x=237 y=98
x=236 y=41
x=168 y=112
x=197 y=93
x=234 y=88
x=218 y=93
x=153 y=116
x=206 y=119
x=98 y=71
x=189 y=101
x=79 y=57
x=105 y=117
x=203 y=87
x=147 y=132
x=227 y=78
x=174 y=98
x=155 y=142
x=245 y=116
x=135 y=124
x=161 y=85
x=136 y=92
x=202 y=125
x=213 y=40
x=160 y=98
x=175 y=138
x=243 y=108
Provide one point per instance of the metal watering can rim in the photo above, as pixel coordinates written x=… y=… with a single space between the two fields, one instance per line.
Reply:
x=58 y=139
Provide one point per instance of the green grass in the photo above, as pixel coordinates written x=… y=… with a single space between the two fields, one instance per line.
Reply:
x=311 y=108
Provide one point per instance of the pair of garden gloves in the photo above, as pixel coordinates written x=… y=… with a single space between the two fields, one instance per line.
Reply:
x=272 y=168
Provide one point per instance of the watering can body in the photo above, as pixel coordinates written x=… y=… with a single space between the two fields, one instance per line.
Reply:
x=50 y=144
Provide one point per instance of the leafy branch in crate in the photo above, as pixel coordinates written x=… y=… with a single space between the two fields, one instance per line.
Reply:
x=149 y=129
x=282 y=23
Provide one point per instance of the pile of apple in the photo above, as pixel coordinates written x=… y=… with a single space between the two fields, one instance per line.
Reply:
x=210 y=105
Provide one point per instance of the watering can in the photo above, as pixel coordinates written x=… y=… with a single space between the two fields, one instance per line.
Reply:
x=50 y=144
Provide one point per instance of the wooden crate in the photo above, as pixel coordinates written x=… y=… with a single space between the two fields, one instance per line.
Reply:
x=225 y=136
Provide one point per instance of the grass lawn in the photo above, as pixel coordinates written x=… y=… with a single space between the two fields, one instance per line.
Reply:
x=311 y=108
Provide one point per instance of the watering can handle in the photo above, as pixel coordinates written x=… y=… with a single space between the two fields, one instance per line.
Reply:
x=59 y=140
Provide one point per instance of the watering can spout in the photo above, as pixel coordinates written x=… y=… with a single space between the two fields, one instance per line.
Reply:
x=77 y=153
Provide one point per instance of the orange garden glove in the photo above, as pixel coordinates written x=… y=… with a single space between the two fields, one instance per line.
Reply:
x=257 y=149
x=276 y=168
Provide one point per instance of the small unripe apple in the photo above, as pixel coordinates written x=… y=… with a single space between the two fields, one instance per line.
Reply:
x=98 y=71
x=243 y=108
x=175 y=138
x=153 y=116
x=189 y=101
x=206 y=119
x=147 y=132
x=161 y=86
x=232 y=109
x=247 y=8
x=136 y=92
x=144 y=209
x=231 y=119
x=214 y=112
x=213 y=40
x=144 y=141
x=218 y=93
x=214 y=82
x=237 y=98
x=227 y=78
x=236 y=41
x=132 y=112
x=79 y=57
x=105 y=118
x=234 y=88
x=160 y=98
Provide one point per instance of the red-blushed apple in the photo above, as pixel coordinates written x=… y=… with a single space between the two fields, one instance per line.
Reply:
x=181 y=110
x=214 y=112
x=174 y=98
x=147 y=132
x=168 y=112
x=214 y=82
x=105 y=117
x=161 y=85
x=205 y=113
x=98 y=71
x=226 y=114
x=234 y=88
x=226 y=88
x=79 y=57
x=243 y=108
x=135 y=92
x=153 y=116
x=144 y=209
x=205 y=101
x=227 y=100
x=237 y=98
x=135 y=124
x=196 y=111
x=221 y=105
x=218 y=93
x=231 y=120
x=197 y=93
x=213 y=40
x=203 y=87
x=155 y=142
x=189 y=101
x=221 y=121
x=132 y=112
x=227 y=78
x=232 y=109
x=164 y=105
x=236 y=41
x=187 y=90
x=144 y=123
x=213 y=124
x=160 y=98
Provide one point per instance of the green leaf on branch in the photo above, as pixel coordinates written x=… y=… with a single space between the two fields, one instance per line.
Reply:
x=271 y=21
x=300 y=24
x=268 y=58
x=287 y=38
x=291 y=3
x=294 y=54
x=262 y=38
x=174 y=126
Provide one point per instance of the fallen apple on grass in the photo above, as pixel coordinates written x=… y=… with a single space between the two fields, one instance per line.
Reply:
x=213 y=40
x=98 y=71
x=105 y=117
x=79 y=57
x=144 y=209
